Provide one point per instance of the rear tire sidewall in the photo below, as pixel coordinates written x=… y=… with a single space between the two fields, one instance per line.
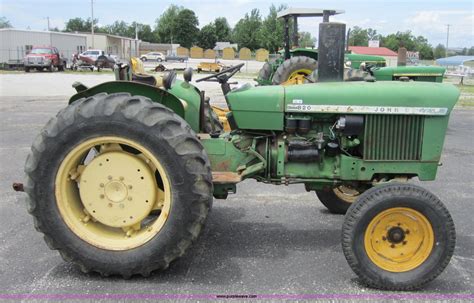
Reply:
x=181 y=184
x=415 y=277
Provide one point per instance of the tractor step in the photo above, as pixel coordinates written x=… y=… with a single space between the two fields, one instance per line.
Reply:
x=224 y=177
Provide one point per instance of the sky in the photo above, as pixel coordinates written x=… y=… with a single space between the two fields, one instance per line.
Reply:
x=423 y=17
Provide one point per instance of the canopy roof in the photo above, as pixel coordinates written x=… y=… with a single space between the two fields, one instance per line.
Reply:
x=454 y=60
x=307 y=12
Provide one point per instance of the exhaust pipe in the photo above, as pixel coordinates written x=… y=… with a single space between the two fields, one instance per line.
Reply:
x=331 y=51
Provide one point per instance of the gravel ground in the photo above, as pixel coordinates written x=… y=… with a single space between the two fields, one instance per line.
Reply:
x=263 y=240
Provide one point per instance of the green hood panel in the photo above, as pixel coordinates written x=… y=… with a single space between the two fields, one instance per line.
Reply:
x=420 y=98
x=258 y=107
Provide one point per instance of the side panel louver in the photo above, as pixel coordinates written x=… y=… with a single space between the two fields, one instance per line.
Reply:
x=393 y=137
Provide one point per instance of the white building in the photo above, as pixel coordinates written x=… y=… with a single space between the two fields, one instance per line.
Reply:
x=15 y=43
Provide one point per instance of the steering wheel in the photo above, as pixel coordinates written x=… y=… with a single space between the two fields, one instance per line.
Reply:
x=224 y=75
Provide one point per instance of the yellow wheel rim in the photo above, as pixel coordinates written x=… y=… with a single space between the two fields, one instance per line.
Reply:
x=346 y=193
x=399 y=239
x=113 y=193
x=297 y=77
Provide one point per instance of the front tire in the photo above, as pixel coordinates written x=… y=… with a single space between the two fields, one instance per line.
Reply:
x=338 y=199
x=82 y=224
x=398 y=237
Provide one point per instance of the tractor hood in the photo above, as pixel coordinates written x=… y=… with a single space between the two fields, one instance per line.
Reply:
x=264 y=107
x=413 y=98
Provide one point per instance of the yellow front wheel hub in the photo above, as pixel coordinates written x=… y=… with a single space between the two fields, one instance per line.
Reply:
x=346 y=193
x=399 y=239
x=113 y=193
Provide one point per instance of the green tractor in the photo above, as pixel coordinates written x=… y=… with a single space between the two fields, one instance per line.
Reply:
x=300 y=65
x=121 y=180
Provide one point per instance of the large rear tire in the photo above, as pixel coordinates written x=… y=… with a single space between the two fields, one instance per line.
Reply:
x=265 y=72
x=294 y=70
x=124 y=219
x=398 y=237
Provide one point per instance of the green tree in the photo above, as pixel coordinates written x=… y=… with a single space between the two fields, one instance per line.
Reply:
x=439 y=51
x=361 y=36
x=207 y=36
x=166 y=24
x=81 y=25
x=119 y=28
x=306 y=40
x=470 y=52
x=4 y=23
x=187 y=28
x=271 y=34
x=424 y=48
x=177 y=25
x=358 y=37
x=400 y=39
x=247 y=31
x=222 y=29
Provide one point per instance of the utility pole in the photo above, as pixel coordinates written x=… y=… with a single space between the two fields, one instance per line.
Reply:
x=47 y=18
x=92 y=22
x=447 y=39
x=136 y=40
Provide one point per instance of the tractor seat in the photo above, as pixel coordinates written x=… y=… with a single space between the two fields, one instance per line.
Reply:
x=136 y=72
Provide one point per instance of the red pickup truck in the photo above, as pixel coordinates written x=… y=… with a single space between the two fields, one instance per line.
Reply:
x=44 y=57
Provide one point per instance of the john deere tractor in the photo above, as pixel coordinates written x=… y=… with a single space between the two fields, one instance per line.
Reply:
x=297 y=65
x=121 y=180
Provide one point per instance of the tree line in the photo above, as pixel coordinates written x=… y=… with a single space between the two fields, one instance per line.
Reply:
x=180 y=25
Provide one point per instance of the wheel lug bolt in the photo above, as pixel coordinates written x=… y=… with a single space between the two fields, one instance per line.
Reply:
x=407 y=231
x=392 y=246
x=110 y=204
x=129 y=198
x=384 y=238
x=109 y=177
x=101 y=184
x=399 y=224
x=102 y=196
x=121 y=206
x=130 y=187
x=121 y=178
x=404 y=242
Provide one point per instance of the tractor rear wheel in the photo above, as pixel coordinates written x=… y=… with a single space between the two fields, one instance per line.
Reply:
x=119 y=185
x=265 y=72
x=398 y=237
x=338 y=199
x=294 y=70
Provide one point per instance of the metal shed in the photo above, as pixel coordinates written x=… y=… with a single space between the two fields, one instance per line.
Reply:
x=15 y=43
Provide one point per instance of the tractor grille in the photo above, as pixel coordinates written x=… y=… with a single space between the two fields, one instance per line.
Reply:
x=393 y=137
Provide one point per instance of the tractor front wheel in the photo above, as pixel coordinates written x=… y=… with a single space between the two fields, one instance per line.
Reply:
x=338 y=199
x=398 y=237
x=294 y=71
x=118 y=185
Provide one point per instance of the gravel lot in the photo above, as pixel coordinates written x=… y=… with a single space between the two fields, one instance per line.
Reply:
x=263 y=240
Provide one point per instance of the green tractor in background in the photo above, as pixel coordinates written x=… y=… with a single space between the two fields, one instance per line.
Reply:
x=300 y=65
x=121 y=180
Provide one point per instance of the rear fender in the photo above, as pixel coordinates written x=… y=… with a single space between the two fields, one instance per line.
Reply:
x=189 y=111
